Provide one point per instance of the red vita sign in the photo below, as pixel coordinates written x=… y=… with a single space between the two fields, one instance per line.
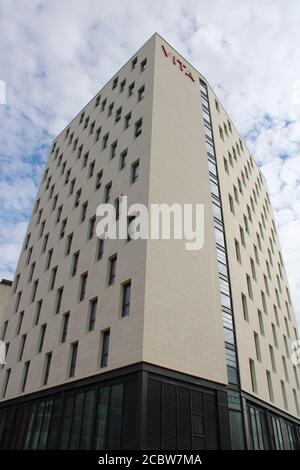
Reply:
x=178 y=62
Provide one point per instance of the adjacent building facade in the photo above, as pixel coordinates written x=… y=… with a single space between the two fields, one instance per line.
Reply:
x=141 y=344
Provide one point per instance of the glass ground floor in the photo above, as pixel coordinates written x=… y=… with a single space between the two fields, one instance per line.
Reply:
x=143 y=407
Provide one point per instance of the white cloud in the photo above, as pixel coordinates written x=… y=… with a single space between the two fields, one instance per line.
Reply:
x=56 y=55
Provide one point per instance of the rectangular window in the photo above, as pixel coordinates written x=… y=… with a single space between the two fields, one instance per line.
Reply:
x=52 y=278
x=38 y=312
x=264 y=303
x=77 y=198
x=65 y=324
x=97 y=135
x=284 y=395
x=135 y=171
x=123 y=159
x=18 y=300
x=100 y=249
x=105 y=348
x=97 y=101
x=253 y=375
x=133 y=63
x=143 y=65
x=249 y=286
x=83 y=211
x=34 y=290
x=115 y=83
x=138 y=127
x=242 y=235
x=69 y=244
x=122 y=85
x=22 y=347
x=75 y=264
x=257 y=347
x=266 y=285
x=103 y=105
x=245 y=307
x=253 y=271
x=127 y=121
x=105 y=141
x=59 y=297
x=226 y=165
x=31 y=272
x=141 y=93
x=110 y=109
x=126 y=298
x=63 y=228
x=92 y=127
x=99 y=179
x=118 y=114
x=4 y=330
x=72 y=186
x=231 y=205
x=29 y=256
x=86 y=122
x=25 y=375
x=272 y=357
x=16 y=283
x=112 y=270
x=73 y=359
x=48 y=359
x=85 y=159
x=5 y=382
x=270 y=386
x=92 y=225
x=113 y=149
x=83 y=283
x=131 y=89
x=49 y=258
x=286 y=373
x=261 y=323
x=107 y=193
x=92 y=314
x=42 y=337
x=20 y=321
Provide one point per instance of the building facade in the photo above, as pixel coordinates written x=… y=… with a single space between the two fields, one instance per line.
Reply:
x=141 y=344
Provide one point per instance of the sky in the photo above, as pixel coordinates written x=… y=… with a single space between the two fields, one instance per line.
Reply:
x=55 y=55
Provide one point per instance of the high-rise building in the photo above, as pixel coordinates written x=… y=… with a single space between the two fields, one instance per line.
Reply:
x=142 y=344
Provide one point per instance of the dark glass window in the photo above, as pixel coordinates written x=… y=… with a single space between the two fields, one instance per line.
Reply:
x=112 y=270
x=135 y=171
x=74 y=350
x=115 y=417
x=25 y=375
x=42 y=337
x=93 y=314
x=64 y=333
x=47 y=367
x=105 y=348
x=126 y=299
x=101 y=418
x=83 y=282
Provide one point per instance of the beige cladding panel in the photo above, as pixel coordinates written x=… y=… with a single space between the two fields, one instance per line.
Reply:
x=183 y=329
